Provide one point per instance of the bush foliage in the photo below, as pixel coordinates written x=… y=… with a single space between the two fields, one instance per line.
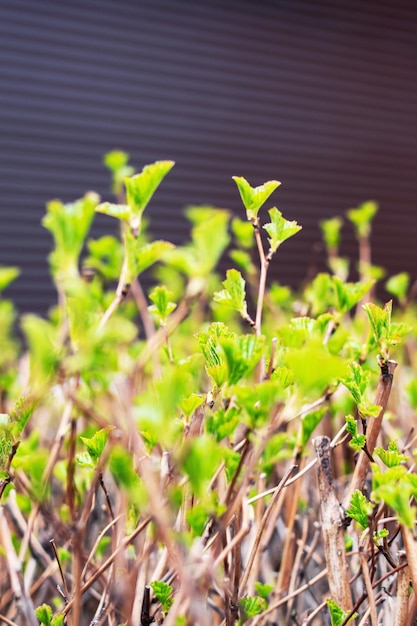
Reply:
x=211 y=449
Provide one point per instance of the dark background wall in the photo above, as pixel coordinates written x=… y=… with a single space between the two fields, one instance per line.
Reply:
x=321 y=95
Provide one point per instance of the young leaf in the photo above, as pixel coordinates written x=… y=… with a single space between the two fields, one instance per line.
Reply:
x=380 y=320
x=69 y=225
x=358 y=441
x=279 y=229
x=233 y=295
x=398 y=285
x=331 y=232
x=163 y=593
x=349 y=294
x=362 y=217
x=391 y=457
x=118 y=163
x=141 y=187
x=243 y=232
x=263 y=590
x=7 y=276
x=95 y=444
x=337 y=614
x=249 y=607
x=152 y=253
x=308 y=424
x=254 y=197
x=162 y=306
x=122 y=212
x=44 y=614
x=360 y=509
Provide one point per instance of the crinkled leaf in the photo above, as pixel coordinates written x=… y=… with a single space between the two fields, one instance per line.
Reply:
x=358 y=441
x=163 y=593
x=233 y=295
x=380 y=320
x=254 y=197
x=279 y=229
x=251 y=606
x=337 y=614
x=359 y=509
x=392 y=456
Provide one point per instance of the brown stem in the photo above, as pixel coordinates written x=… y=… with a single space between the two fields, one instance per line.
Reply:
x=410 y=546
x=368 y=586
x=401 y=618
x=372 y=432
x=332 y=529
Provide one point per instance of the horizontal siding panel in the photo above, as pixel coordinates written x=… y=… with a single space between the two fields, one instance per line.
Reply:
x=321 y=95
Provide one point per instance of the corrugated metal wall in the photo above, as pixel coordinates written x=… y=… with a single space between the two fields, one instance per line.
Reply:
x=321 y=95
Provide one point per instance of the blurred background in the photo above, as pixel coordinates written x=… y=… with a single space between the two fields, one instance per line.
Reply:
x=320 y=95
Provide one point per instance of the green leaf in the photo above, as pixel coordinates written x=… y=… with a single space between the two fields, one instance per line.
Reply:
x=58 y=620
x=163 y=594
x=380 y=320
x=395 y=488
x=251 y=606
x=360 y=509
x=122 y=212
x=309 y=423
x=162 y=306
x=362 y=217
x=349 y=294
x=241 y=353
x=263 y=590
x=201 y=457
x=331 y=232
x=337 y=615
x=96 y=444
x=279 y=229
x=152 y=253
x=223 y=423
x=141 y=187
x=118 y=163
x=243 y=232
x=314 y=367
x=189 y=404
x=391 y=457
x=69 y=225
x=358 y=441
x=233 y=295
x=258 y=401
x=44 y=614
x=398 y=285
x=44 y=348
x=254 y=197
x=7 y=276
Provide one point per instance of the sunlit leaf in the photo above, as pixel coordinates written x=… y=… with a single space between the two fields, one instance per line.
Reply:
x=254 y=197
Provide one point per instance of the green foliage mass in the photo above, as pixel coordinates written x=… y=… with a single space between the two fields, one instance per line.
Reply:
x=148 y=421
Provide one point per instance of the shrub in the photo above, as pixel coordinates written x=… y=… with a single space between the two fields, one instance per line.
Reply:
x=211 y=450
